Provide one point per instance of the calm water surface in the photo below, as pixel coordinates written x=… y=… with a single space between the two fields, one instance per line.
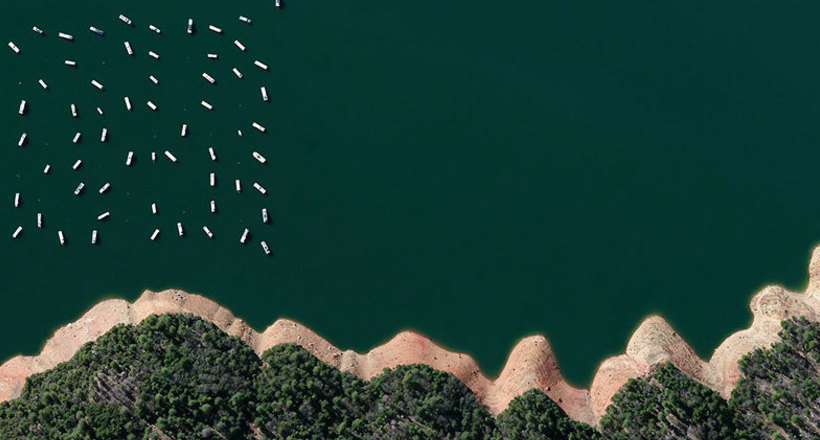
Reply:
x=475 y=171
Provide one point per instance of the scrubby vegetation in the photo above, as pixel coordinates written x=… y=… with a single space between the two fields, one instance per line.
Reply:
x=179 y=377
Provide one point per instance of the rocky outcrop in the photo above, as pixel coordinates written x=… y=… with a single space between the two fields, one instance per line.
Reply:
x=531 y=363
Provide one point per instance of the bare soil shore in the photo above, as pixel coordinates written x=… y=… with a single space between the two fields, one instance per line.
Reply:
x=531 y=363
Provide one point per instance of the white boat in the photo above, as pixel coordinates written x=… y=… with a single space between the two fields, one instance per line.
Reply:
x=153 y=156
x=65 y=36
x=97 y=84
x=16 y=200
x=104 y=135
x=208 y=232
x=214 y=29
x=155 y=29
x=190 y=29
x=155 y=234
x=17 y=232
x=127 y=103
x=39 y=220
x=265 y=215
x=94 y=236
x=264 y=91
x=61 y=237
x=237 y=73
x=207 y=105
x=43 y=84
x=213 y=56
x=213 y=206
x=96 y=30
x=212 y=153
x=73 y=108
x=103 y=216
x=104 y=188
x=265 y=247
x=153 y=79
x=130 y=159
x=125 y=20
x=244 y=19
x=37 y=30
x=79 y=189
x=153 y=54
x=184 y=131
x=238 y=185
x=244 y=236
x=22 y=109
x=180 y=231
x=22 y=141
x=151 y=105
x=99 y=110
x=239 y=133
x=239 y=44
x=77 y=165
x=170 y=156
x=128 y=49
x=14 y=47
x=70 y=63
x=260 y=65
x=278 y=4
x=154 y=208
x=76 y=138
x=259 y=127
x=208 y=78
x=212 y=179
x=260 y=188
x=46 y=169
x=260 y=158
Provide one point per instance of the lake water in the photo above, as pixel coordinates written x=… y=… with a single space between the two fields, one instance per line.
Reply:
x=476 y=171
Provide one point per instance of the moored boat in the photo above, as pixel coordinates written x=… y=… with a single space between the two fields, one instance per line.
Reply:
x=61 y=237
x=154 y=235
x=265 y=247
x=190 y=28
x=17 y=232
x=97 y=31
x=208 y=232
x=170 y=156
x=260 y=188
x=125 y=20
x=260 y=158
x=104 y=216
x=244 y=236
x=79 y=189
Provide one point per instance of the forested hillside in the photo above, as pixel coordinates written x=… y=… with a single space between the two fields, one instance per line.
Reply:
x=179 y=377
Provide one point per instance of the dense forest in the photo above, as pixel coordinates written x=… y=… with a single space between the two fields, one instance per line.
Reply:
x=179 y=377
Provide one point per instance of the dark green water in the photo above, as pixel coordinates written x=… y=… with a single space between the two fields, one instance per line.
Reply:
x=477 y=171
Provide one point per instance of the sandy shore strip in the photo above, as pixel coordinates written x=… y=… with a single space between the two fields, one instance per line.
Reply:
x=531 y=363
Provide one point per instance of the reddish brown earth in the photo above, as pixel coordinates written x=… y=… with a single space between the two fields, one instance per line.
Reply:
x=531 y=363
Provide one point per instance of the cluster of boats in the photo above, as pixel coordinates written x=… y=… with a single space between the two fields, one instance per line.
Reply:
x=130 y=157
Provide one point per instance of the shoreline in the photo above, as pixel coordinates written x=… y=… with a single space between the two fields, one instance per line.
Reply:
x=530 y=364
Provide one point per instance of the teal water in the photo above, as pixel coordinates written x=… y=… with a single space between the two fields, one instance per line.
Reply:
x=473 y=170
